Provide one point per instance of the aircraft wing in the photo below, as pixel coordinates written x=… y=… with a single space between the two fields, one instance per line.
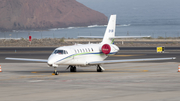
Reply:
x=25 y=59
x=128 y=60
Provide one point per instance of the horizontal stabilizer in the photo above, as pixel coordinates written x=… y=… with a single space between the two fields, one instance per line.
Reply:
x=24 y=59
x=116 y=37
x=129 y=60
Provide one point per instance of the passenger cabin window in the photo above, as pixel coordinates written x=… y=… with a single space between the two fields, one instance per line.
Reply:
x=60 y=52
x=92 y=49
x=78 y=51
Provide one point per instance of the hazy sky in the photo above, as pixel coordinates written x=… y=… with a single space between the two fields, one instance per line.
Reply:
x=167 y=11
x=139 y=6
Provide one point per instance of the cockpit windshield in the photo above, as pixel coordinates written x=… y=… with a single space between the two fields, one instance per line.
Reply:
x=60 y=52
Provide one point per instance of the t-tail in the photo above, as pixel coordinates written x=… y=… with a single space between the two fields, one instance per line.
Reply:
x=110 y=31
x=109 y=35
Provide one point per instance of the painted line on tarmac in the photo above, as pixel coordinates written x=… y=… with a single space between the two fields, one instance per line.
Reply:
x=110 y=71
x=33 y=81
x=29 y=77
x=135 y=70
x=158 y=64
x=121 y=70
x=125 y=55
x=33 y=72
x=41 y=72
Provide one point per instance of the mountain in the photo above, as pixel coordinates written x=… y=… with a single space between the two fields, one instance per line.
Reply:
x=45 y=14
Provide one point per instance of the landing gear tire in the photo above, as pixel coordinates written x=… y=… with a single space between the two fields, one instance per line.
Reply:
x=73 y=69
x=55 y=71
x=99 y=69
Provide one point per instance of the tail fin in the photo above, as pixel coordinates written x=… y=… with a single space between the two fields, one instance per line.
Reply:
x=110 y=30
x=109 y=35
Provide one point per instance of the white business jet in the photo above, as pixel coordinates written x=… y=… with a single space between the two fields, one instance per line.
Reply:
x=89 y=54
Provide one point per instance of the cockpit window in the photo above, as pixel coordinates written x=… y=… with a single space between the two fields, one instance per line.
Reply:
x=60 y=52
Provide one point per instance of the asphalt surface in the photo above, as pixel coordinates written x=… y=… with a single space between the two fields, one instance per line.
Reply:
x=119 y=82
x=124 y=53
x=142 y=81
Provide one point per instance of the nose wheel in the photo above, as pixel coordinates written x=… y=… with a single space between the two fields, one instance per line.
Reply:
x=55 y=71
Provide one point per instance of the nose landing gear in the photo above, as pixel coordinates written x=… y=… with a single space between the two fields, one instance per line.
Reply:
x=55 y=69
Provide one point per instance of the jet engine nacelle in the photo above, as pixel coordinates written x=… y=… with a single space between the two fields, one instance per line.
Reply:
x=106 y=48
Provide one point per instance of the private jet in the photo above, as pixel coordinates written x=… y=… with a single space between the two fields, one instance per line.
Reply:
x=84 y=55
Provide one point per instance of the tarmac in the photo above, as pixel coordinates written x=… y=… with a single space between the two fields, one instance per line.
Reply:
x=139 y=81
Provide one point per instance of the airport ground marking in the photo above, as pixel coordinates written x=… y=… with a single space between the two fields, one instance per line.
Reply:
x=25 y=77
x=125 y=55
x=34 y=81
x=89 y=71
x=110 y=70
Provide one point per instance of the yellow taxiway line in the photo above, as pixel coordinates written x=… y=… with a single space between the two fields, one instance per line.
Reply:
x=126 y=55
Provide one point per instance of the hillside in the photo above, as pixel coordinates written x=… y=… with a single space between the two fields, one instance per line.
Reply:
x=44 y=14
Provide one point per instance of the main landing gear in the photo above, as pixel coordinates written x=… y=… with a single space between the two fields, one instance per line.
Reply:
x=100 y=68
x=72 y=68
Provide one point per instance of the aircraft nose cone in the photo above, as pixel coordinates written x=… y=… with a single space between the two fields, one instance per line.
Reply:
x=49 y=63
x=51 y=60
